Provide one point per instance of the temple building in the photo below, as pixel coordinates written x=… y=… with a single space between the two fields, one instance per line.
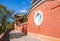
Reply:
x=43 y=21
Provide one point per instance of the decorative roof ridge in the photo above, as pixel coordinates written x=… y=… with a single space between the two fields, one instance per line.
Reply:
x=37 y=3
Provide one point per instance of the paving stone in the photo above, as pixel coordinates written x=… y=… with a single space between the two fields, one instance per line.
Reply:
x=20 y=37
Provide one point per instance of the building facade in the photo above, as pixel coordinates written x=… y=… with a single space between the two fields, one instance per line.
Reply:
x=44 y=20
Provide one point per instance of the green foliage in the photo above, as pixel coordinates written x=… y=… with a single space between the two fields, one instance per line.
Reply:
x=9 y=26
x=5 y=18
x=25 y=18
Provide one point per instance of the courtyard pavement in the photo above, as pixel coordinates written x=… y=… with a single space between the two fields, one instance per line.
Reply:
x=17 y=36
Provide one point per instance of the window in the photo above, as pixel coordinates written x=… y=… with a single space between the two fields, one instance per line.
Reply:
x=38 y=18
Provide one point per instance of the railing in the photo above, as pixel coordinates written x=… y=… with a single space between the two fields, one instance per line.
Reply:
x=5 y=36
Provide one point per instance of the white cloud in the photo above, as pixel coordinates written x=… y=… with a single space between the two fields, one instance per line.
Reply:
x=23 y=11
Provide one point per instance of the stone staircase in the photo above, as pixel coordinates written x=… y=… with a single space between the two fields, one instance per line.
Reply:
x=17 y=36
x=14 y=34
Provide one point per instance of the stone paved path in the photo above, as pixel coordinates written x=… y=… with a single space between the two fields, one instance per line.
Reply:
x=25 y=38
x=21 y=37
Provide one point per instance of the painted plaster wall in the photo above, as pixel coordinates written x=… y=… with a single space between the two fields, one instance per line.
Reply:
x=51 y=19
x=21 y=28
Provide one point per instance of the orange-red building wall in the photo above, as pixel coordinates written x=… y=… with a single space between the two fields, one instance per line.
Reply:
x=21 y=28
x=51 y=19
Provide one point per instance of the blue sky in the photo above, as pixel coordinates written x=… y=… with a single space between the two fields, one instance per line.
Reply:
x=20 y=6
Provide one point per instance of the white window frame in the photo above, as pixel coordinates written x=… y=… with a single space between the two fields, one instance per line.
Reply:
x=35 y=20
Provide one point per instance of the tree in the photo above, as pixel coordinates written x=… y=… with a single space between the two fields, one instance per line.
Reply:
x=6 y=16
x=25 y=17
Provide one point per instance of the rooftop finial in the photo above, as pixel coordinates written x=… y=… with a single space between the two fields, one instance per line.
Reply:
x=34 y=1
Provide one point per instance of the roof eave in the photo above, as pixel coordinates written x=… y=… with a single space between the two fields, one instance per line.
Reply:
x=37 y=3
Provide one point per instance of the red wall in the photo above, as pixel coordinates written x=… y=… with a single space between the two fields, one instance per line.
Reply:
x=21 y=28
x=51 y=19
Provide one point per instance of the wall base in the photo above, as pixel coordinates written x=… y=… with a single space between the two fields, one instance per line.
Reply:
x=43 y=37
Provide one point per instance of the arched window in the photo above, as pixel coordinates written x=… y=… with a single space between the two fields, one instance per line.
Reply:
x=38 y=18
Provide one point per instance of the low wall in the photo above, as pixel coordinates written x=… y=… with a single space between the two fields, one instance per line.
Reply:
x=5 y=36
x=21 y=27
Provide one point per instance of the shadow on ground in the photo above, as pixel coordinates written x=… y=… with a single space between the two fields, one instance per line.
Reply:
x=16 y=35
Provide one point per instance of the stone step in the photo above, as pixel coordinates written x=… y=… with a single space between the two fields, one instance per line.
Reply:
x=16 y=35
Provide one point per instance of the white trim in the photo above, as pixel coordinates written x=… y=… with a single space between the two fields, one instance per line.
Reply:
x=34 y=6
x=35 y=20
x=25 y=23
